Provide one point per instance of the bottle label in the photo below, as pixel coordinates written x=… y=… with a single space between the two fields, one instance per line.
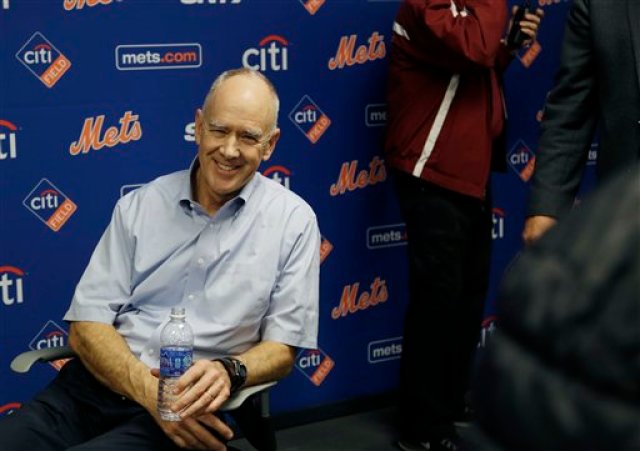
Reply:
x=174 y=361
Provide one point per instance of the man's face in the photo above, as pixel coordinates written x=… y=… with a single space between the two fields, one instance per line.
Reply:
x=234 y=135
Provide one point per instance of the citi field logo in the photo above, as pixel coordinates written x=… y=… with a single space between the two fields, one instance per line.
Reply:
x=309 y=119
x=272 y=54
x=315 y=364
x=497 y=219
x=70 y=5
x=325 y=248
x=522 y=160
x=11 y=285
x=8 y=148
x=375 y=115
x=9 y=408
x=210 y=2
x=353 y=301
x=592 y=156
x=312 y=6
x=348 y=55
x=279 y=174
x=384 y=350
x=386 y=236
x=49 y=204
x=43 y=60
x=531 y=54
x=158 y=56
x=91 y=136
x=349 y=180
x=487 y=330
x=50 y=336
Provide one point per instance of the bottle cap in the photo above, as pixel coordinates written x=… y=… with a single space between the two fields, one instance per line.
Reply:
x=177 y=312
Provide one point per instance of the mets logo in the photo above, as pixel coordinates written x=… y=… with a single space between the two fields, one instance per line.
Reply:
x=9 y=408
x=312 y=6
x=309 y=119
x=49 y=204
x=271 y=54
x=50 y=336
x=522 y=160
x=70 y=5
x=348 y=55
x=315 y=364
x=92 y=137
x=43 y=60
x=8 y=149
x=352 y=302
x=279 y=174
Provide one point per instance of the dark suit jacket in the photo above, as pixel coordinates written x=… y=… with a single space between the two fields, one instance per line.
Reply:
x=598 y=82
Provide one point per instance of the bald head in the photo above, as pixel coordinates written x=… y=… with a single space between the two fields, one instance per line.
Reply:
x=253 y=77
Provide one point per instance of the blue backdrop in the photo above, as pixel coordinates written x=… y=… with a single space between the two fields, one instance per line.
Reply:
x=99 y=96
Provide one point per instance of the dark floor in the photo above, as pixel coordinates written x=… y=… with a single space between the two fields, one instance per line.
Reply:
x=367 y=431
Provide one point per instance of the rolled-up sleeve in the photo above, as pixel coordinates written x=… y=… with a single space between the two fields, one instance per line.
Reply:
x=292 y=317
x=106 y=283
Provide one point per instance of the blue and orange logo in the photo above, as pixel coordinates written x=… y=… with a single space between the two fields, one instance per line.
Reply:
x=309 y=119
x=43 y=60
x=325 y=248
x=312 y=6
x=50 y=336
x=315 y=364
x=522 y=160
x=49 y=204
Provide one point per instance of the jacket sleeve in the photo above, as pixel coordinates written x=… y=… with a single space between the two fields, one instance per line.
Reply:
x=453 y=34
x=570 y=118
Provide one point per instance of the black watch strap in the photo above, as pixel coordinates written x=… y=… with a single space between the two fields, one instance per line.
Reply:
x=236 y=370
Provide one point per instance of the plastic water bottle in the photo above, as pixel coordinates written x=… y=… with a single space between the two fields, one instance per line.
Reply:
x=176 y=355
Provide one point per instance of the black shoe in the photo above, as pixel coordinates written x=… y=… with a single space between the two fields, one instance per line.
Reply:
x=443 y=444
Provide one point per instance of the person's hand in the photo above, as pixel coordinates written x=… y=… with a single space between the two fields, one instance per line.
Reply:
x=535 y=227
x=529 y=25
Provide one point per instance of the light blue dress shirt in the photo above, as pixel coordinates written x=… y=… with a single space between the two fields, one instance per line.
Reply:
x=247 y=274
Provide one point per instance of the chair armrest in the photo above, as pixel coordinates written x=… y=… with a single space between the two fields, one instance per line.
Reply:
x=241 y=395
x=23 y=362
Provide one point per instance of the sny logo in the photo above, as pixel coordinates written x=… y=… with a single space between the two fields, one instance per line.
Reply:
x=279 y=174
x=49 y=204
x=315 y=364
x=11 y=285
x=497 y=217
x=8 y=149
x=312 y=6
x=309 y=119
x=347 y=54
x=271 y=54
x=130 y=130
x=43 y=60
x=50 y=336
x=522 y=160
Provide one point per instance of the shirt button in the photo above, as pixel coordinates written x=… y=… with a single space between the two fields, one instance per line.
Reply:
x=191 y=297
x=201 y=261
x=150 y=351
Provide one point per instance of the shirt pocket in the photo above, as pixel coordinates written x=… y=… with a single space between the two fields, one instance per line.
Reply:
x=239 y=295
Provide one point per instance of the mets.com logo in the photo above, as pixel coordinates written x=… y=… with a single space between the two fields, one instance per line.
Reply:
x=309 y=119
x=386 y=236
x=384 y=350
x=50 y=336
x=315 y=364
x=11 y=285
x=158 y=56
x=49 y=204
x=8 y=148
x=43 y=60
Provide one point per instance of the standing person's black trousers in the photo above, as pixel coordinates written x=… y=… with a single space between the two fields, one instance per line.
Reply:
x=76 y=412
x=449 y=249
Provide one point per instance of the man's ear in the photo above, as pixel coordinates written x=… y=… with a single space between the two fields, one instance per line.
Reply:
x=198 y=125
x=271 y=144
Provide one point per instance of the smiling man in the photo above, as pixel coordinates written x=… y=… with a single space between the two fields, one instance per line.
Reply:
x=238 y=251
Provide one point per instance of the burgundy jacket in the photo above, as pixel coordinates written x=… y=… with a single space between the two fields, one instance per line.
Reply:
x=445 y=104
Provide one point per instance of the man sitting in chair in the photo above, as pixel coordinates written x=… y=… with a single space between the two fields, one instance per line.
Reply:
x=238 y=251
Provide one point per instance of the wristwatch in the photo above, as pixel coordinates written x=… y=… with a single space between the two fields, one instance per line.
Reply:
x=236 y=370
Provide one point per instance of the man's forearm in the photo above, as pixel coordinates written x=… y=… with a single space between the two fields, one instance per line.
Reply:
x=268 y=361
x=108 y=357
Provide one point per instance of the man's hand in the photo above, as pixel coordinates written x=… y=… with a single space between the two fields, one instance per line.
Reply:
x=191 y=433
x=529 y=25
x=535 y=227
